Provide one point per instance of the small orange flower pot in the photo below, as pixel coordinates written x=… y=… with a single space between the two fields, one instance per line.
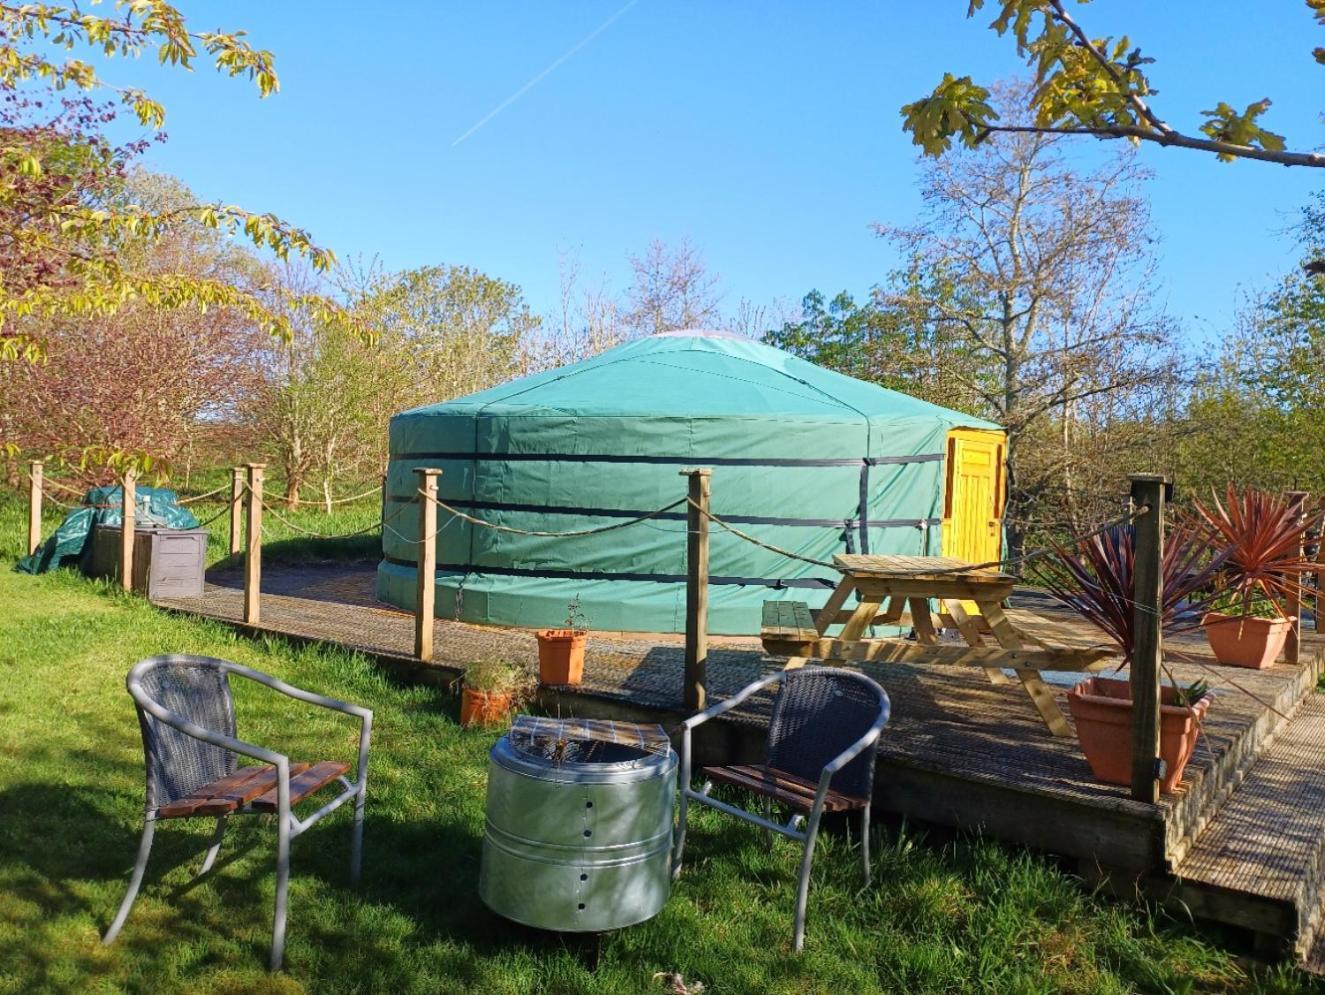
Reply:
x=1102 y=709
x=1246 y=641
x=561 y=655
x=483 y=708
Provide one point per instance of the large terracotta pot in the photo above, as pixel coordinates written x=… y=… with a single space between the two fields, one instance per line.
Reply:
x=1102 y=708
x=1244 y=641
x=561 y=655
x=484 y=708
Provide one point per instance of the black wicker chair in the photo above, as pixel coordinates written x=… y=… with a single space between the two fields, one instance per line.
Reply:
x=187 y=717
x=822 y=739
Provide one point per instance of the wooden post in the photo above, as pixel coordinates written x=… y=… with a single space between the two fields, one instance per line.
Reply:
x=697 y=590
x=236 y=512
x=1297 y=502
x=35 y=470
x=128 y=497
x=1148 y=491
x=253 y=546
x=425 y=564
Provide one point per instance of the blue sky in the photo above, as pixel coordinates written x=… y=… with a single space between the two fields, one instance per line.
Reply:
x=765 y=132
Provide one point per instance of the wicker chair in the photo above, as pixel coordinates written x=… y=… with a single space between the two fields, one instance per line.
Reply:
x=187 y=717
x=822 y=739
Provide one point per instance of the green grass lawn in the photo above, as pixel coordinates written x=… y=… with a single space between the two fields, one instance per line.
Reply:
x=963 y=916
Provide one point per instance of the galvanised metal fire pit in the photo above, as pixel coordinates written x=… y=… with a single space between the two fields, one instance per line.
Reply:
x=579 y=827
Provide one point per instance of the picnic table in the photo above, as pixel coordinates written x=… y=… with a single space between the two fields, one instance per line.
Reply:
x=970 y=601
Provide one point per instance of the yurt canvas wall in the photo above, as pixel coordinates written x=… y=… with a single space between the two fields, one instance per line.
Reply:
x=803 y=458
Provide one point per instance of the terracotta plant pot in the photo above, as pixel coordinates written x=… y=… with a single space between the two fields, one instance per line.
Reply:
x=561 y=655
x=1102 y=708
x=1245 y=641
x=484 y=708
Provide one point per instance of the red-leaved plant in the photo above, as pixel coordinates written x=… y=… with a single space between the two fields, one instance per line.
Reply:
x=1264 y=534
x=1095 y=579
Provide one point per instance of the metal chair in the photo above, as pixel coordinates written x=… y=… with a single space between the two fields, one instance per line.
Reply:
x=822 y=739
x=187 y=716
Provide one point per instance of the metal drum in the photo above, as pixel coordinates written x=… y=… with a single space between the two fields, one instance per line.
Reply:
x=579 y=841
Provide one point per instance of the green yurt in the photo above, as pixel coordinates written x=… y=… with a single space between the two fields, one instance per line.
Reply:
x=803 y=458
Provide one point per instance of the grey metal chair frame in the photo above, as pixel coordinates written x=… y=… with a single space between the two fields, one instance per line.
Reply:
x=808 y=835
x=288 y=825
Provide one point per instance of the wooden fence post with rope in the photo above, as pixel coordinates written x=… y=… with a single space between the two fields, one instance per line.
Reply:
x=35 y=471
x=236 y=512
x=128 y=498
x=253 y=546
x=1297 y=504
x=425 y=598
x=1150 y=492
x=695 y=690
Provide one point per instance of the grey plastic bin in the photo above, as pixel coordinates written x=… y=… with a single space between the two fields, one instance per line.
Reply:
x=167 y=563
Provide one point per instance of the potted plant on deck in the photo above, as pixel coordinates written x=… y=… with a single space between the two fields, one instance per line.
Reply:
x=1264 y=532
x=491 y=690
x=561 y=651
x=1095 y=579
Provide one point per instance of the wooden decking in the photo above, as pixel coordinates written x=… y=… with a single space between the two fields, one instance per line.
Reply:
x=1241 y=842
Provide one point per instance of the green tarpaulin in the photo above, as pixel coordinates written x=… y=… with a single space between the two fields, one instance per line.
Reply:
x=70 y=543
x=804 y=458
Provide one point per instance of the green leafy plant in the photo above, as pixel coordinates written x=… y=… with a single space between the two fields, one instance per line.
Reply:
x=1192 y=693
x=576 y=620
x=500 y=677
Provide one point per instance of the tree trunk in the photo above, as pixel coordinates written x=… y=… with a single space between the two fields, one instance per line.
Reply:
x=293 y=481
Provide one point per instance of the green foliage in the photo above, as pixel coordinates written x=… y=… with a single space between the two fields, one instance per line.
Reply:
x=66 y=241
x=1227 y=126
x=495 y=676
x=1085 y=85
x=957 y=108
x=1258 y=416
x=893 y=340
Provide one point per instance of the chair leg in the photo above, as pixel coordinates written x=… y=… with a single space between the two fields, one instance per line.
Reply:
x=215 y=846
x=356 y=840
x=680 y=833
x=865 y=844
x=135 y=881
x=282 y=891
x=803 y=885
x=768 y=817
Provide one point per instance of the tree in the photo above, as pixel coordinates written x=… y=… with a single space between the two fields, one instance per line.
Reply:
x=889 y=341
x=57 y=233
x=1052 y=288
x=1258 y=414
x=1088 y=86
x=671 y=288
x=136 y=386
x=585 y=322
x=440 y=332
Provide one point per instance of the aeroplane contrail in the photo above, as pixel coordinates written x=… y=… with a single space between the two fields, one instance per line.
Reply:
x=544 y=74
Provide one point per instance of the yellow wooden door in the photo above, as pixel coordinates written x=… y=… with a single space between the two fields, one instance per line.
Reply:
x=973 y=506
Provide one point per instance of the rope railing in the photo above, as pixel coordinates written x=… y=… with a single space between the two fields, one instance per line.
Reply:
x=322 y=535
x=191 y=499
x=965 y=568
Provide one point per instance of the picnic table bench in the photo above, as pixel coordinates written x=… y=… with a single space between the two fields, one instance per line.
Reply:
x=898 y=591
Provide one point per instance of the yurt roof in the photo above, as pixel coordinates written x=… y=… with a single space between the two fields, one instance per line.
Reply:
x=699 y=374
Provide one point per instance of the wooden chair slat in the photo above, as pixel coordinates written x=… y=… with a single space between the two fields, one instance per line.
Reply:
x=225 y=794
x=789 y=790
x=310 y=780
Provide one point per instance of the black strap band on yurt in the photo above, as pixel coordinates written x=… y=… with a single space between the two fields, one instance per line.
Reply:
x=469 y=569
x=670 y=460
x=675 y=516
